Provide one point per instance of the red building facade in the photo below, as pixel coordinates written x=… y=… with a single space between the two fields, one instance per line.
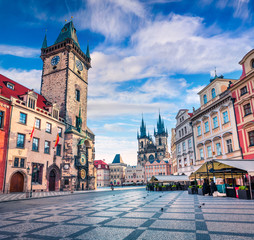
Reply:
x=5 y=111
x=243 y=97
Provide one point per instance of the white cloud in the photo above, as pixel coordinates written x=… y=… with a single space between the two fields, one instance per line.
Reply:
x=28 y=78
x=192 y=98
x=107 y=147
x=115 y=19
x=19 y=51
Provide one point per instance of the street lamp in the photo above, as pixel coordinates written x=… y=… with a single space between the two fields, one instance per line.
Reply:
x=34 y=169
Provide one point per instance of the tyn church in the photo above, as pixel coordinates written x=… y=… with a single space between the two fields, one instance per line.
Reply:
x=148 y=149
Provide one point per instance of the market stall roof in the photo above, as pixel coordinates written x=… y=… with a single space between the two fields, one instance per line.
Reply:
x=169 y=178
x=219 y=167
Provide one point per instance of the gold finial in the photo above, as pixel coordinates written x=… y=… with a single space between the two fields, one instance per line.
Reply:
x=71 y=17
x=65 y=20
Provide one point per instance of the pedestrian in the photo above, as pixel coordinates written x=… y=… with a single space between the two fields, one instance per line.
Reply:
x=205 y=187
x=213 y=187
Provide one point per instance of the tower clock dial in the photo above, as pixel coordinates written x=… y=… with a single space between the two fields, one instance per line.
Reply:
x=79 y=65
x=82 y=174
x=83 y=159
x=55 y=60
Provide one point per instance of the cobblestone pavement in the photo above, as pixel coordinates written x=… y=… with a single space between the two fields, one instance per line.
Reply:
x=22 y=196
x=132 y=214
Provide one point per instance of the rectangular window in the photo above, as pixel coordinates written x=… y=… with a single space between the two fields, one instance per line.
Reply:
x=19 y=162
x=218 y=148
x=199 y=130
x=60 y=132
x=31 y=103
x=35 y=146
x=225 y=117
x=206 y=127
x=247 y=109
x=185 y=130
x=22 y=118
x=37 y=172
x=201 y=153
x=179 y=148
x=16 y=162
x=48 y=127
x=37 y=123
x=179 y=133
x=215 y=122
x=58 y=150
x=229 y=145
x=184 y=146
x=209 y=151
x=1 y=119
x=47 y=147
x=189 y=143
x=22 y=162
x=77 y=94
x=251 y=138
x=21 y=140
x=243 y=90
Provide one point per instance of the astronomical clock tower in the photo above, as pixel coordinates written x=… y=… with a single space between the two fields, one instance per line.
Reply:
x=64 y=83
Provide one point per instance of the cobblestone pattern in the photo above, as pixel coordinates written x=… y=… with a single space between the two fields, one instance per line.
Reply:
x=135 y=215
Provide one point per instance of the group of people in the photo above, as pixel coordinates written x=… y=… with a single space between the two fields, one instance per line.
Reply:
x=209 y=189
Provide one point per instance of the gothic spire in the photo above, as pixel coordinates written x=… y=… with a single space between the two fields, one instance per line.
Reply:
x=87 y=51
x=160 y=126
x=44 y=44
x=142 y=129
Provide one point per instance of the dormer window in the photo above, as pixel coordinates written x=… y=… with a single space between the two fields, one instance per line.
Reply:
x=10 y=85
x=252 y=63
x=31 y=103
x=55 y=113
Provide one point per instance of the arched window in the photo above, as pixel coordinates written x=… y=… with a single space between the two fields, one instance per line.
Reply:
x=141 y=144
x=213 y=93
x=159 y=141
x=205 y=99
x=151 y=158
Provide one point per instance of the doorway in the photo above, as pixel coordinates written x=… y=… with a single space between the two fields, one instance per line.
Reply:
x=17 y=182
x=52 y=180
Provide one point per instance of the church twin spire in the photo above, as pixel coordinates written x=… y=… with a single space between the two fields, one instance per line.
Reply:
x=160 y=129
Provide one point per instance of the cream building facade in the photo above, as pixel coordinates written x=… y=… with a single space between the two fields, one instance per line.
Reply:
x=34 y=161
x=184 y=143
x=214 y=123
x=135 y=174
x=117 y=170
x=173 y=151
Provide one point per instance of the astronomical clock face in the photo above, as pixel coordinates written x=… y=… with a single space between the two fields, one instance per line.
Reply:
x=83 y=174
x=83 y=160
x=55 y=60
x=79 y=65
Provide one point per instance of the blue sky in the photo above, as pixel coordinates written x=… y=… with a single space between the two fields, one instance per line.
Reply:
x=147 y=55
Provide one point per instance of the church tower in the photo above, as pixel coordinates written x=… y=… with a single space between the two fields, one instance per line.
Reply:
x=143 y=140
x=64 y=83
x=161 y=137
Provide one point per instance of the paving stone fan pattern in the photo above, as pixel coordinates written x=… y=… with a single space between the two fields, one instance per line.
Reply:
x=134 y=215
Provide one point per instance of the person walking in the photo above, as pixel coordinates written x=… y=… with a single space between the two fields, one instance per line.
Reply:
x=213 y=187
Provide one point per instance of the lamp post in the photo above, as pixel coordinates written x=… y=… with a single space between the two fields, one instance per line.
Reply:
x=34 y=169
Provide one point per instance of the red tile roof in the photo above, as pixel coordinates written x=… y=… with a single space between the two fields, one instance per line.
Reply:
x=18 y=91
x=102 y=163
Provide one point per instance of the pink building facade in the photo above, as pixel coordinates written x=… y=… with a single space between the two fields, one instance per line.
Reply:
x=158 y=167
x=102 y=173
